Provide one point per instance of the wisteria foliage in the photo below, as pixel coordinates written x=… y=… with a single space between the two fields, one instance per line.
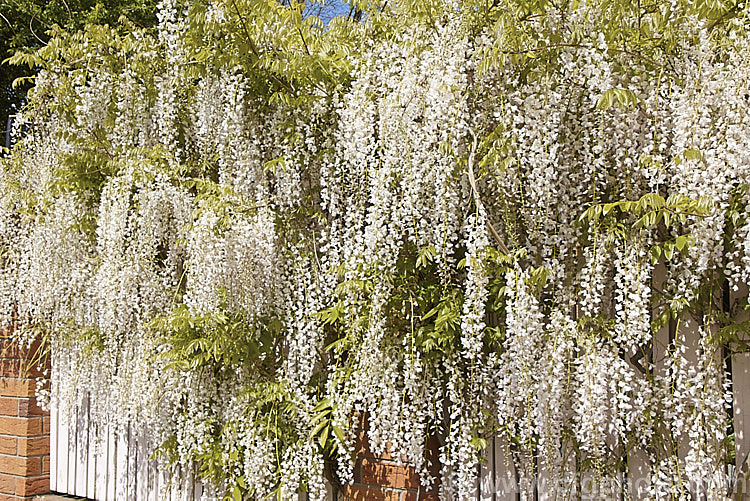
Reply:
x=246 y=229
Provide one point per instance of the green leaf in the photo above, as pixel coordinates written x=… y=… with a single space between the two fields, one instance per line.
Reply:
x=681 y=242
x=624 y=98
x=668 y=250
x=323 y=404
x=693 y=154
x=339 y=434
x=655 y=254
x=323 y=435
x=479 y=443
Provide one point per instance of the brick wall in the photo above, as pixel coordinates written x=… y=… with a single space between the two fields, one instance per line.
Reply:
x=24 y=427
x=383 y=478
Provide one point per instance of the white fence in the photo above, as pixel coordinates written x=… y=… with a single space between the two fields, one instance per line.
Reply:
x=102 y=465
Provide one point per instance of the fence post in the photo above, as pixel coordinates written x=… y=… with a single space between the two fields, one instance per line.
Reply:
x=381 y=477
x=24 y=426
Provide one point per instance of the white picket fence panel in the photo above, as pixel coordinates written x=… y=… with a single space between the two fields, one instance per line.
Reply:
x=103 y=465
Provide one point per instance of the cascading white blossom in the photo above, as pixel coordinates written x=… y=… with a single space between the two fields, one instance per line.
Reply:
x=472 y=319
x=632 y=298
x=236 y=267
x=517 y=375
x=696 y=409
x=552 y=410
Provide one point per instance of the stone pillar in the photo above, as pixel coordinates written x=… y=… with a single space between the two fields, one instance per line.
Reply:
x=24 y=426
x=380 y=477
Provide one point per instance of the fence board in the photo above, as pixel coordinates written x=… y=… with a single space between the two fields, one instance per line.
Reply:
x=81 y=437
x=163 y=493
x=198 y=490
x=132 y=479
x=101 y=464
x=505 y=480
x=174 y=486
x=111 y=463
x=53 y=454
x=486 y=473
x=153 y=484
x=638 y=474
x=143 y=468
x=121 y=471
x=63 y=457
x=92 y=449
x=73 y=448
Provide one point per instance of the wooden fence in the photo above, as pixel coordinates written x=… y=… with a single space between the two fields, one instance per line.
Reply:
x=103 y=465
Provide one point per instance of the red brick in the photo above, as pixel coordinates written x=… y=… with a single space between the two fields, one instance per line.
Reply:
x=29 y=407
x=362 y=448
x=22 y=362
x=367 y=493
x=389 y=475
x=12 y=387
x=16 y=465
x=29 y=371
x=33 y=352
x=24 y=454
x=381 y=471
x=10 y=367
x=31 y=366
x=8 y=406
x=20 y=427
x=32 y=486
x=423 y=496
x=38 y=446
x=9 y=349
x=8 y=445
x=7 y=484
